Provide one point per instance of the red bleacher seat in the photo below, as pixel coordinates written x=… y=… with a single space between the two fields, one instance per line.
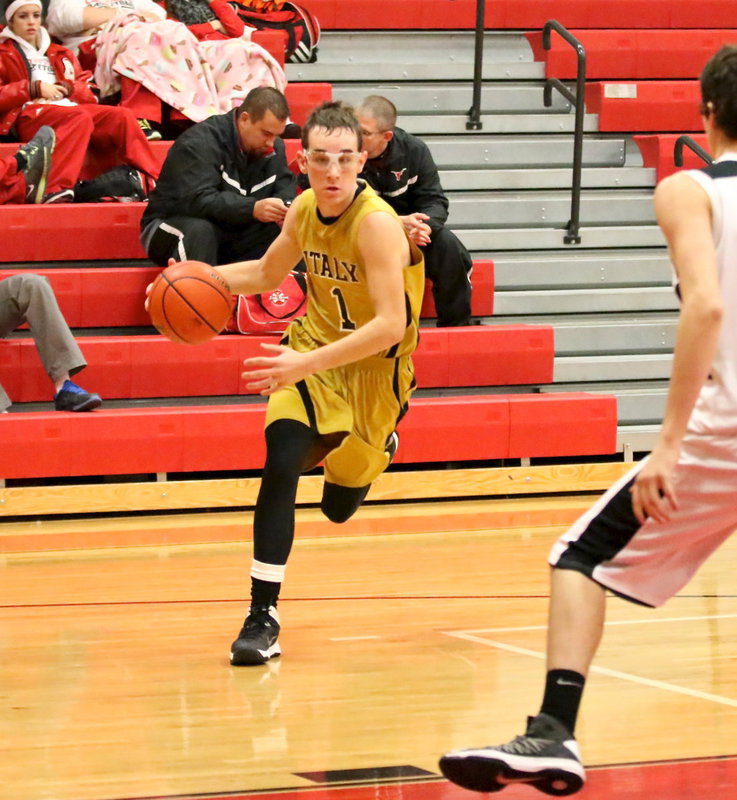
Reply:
x=275 y=42
x=523 y=14
x=657 y=151
x=631 y=54
x=103 y=297
x=111 y=297
x=303 y=97
x=645 y=106
x=482 y=299
x=152 y=366
x=151 y=440
x=83 y=231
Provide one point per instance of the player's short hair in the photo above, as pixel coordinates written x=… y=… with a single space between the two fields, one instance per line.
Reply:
x=380 y=109
x=334 y=115
x=719 y=89
x=262 y=99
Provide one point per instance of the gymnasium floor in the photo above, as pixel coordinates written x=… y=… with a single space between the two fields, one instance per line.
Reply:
x=417 y=630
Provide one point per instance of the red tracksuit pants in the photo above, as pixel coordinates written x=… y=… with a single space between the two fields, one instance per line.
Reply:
x=12 y=182
x=110 y=131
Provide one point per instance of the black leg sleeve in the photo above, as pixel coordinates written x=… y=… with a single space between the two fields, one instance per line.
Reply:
x=291 y=447
x=340 y=503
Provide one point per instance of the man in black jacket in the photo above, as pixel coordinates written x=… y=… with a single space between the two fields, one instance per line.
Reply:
x=224 y=188
x=401 y=170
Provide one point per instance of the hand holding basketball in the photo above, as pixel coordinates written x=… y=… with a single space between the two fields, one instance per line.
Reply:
x=189 y=302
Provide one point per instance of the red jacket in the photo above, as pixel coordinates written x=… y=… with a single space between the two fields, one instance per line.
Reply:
x=16 y=87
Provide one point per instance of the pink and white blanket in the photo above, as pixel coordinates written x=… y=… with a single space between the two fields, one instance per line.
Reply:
x=197 y=78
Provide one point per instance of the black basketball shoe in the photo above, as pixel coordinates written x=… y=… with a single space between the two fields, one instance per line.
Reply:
x=392 y=444
x=546 y=757
x=120 y=184
x=257 y=641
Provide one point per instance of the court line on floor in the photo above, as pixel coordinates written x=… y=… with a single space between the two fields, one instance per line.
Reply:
x=650 y=621
x=611 y=673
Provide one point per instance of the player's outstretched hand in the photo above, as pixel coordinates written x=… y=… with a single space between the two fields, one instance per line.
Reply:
x=266 y=374
x=653 y=494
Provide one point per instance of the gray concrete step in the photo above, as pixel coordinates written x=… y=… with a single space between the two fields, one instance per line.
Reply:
x=418 y=47
x=453 y=98
x=533 y=209
x=523 y=152
x=491 y=242
x=622 y=336
x=560 y=178
x=585 y=270
x=630 y=367
x=428 y=124
x=585 y=301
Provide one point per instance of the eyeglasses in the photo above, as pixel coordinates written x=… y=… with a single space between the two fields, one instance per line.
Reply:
x=322 y=160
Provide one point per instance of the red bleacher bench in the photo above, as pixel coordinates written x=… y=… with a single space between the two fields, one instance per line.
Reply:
x=79 y=231
x=645 y=106
x=303 y=97
x=102 y=297
x=151 y=366
x=526 y=14
x=211 y=438
x=631 y=54
x=522 y=14
x=275 y=42
x=112 y=297
x=657 y=152
x=482 y=298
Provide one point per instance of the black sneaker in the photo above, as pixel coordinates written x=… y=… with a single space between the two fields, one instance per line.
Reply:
x=257 y=641
x=392 y=443
x=37 y=154
x=546 y=757
x=149 y=131
x=62 y=196
x=74 y=398
x=120 y=184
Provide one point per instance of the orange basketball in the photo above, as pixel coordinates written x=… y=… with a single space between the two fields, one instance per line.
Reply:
x=190 y=302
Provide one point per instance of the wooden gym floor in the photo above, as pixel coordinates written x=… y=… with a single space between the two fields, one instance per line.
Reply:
x=417 y=630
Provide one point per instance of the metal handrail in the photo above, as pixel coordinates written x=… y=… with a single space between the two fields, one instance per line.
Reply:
x=577 y=99
x=474 y=114
x=687 y=141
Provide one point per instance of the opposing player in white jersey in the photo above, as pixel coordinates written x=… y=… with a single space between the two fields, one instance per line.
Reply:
x=645 y=538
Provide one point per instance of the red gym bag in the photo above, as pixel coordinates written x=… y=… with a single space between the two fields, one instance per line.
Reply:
x=270 y=312
x=301 y=28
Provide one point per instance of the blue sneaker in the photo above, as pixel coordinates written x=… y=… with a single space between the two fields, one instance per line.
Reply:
x=74 y=398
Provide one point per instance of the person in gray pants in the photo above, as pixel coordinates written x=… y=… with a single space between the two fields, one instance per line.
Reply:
x=30 y=298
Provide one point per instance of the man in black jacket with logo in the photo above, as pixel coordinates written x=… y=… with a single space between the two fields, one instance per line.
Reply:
x=401 y=170
x=224 y=188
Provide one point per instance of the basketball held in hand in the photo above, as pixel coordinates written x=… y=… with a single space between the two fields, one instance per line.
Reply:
x=190 y=302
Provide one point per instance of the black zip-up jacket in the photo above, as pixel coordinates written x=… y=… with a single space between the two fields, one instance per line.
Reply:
x=208 y=176
x=406 y=177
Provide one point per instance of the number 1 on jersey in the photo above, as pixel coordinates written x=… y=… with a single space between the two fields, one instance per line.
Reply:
x=346 y=323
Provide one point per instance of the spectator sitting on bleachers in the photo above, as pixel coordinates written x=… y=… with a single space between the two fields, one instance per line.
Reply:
x=30 y=298
x=238 y=64
x=224 y=188
x=42 y=83
x=157 y=63
x=402 y=172
x=215 y=19
x=23 y=175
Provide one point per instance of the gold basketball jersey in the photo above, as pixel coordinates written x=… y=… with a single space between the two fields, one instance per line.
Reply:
x=338 y=296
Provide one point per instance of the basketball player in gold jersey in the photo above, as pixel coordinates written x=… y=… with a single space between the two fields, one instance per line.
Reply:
x=341 y=379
